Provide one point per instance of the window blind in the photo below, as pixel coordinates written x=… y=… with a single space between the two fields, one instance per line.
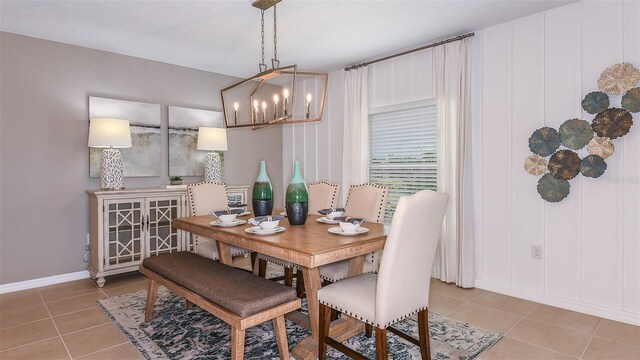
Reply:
x=402 y=152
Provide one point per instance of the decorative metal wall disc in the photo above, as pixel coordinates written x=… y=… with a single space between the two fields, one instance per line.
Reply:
x=565 y=165
x=595 y=102
x=544 y=141
x=552 y=189
x=601 y=146
x=619 y=78
x=535 y=165
x=593 y=166
x=612 y=123
x=575 y=133
x=631 y=100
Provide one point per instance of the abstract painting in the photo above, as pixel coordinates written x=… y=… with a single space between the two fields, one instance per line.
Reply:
x=144 y=157
x=184 y=158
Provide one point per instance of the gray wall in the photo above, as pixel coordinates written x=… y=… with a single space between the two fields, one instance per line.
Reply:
x=44 y=89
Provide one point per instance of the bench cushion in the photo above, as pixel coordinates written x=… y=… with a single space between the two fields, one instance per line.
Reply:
x=236 y=290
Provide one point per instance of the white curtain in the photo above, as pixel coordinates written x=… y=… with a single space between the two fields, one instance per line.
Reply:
x=455 y=256
x=355 y=144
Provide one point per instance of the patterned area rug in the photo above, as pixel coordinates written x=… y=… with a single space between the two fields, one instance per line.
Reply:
x=178 y=333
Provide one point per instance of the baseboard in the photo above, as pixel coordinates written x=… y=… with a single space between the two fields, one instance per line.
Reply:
x=590 y=309
x=49 y=280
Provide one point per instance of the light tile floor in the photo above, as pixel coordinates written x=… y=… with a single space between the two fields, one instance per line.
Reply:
x=63 y=322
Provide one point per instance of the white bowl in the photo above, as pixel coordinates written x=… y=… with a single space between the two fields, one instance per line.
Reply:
x=334 y=215
x=349 y=227
x=227 y=218
x=268 y=225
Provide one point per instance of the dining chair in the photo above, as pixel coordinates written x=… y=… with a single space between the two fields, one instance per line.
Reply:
x=204 y=198
x=380 y=300
x=368 y=201
x=322 y=195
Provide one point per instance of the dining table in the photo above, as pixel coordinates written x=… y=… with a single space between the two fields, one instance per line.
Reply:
x=308 y=246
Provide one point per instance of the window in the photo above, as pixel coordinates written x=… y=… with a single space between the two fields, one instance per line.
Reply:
x=402 y=151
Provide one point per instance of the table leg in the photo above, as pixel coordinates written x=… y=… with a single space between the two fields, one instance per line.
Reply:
x=224 y=253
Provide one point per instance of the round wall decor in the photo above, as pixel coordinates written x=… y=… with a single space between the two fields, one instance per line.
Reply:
x=593 y=166
x=612 y=123
x=601 y=146
x=575 y=133
x=535 y=165
x=619 y=78
x=544 y=141
x=631 y=100
x=552 y=189
x=595 y=102
x=564 y=164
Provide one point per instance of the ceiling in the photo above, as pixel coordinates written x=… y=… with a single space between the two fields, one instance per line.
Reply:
x=224 y=36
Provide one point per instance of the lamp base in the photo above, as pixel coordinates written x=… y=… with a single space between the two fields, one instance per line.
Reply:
x=111 y=173
x=213 y=167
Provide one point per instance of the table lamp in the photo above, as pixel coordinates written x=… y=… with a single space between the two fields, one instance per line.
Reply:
x=212 y=140
x=110 y=134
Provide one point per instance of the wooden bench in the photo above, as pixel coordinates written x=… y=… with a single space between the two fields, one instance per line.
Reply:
x=236 y=297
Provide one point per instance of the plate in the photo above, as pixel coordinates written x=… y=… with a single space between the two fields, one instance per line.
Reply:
x=338 y=230
x=230 y=224
x=326 y=220
x=256 y=230
x=244 y=213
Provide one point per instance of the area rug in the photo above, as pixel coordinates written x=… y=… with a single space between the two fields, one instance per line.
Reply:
x=178 y=333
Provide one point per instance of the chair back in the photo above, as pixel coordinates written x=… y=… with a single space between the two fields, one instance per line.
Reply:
x=206 y=197
x=322 y=195
x=368 y=201
x=409 y=252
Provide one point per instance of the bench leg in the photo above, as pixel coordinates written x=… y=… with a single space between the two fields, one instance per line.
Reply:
x=237 y=344
x=262 y=268
x=288 y=276
x=300 y=284
x=189 y=304
x=281 y=337
x=151 y=300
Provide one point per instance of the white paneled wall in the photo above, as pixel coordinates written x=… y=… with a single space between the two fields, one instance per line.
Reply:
x=534 y=72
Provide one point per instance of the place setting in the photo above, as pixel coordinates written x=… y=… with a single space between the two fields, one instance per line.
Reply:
x=330 y=215
x=349 y=226
x=265 y=225
x=228 y=218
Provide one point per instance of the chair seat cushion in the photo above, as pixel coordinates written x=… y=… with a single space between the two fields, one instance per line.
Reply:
x=354 y=296
x=207 y=248
x=236 y=290
x=339 y=270
x=276 y=261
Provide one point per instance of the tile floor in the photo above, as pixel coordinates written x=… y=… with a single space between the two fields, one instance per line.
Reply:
x=63 y=322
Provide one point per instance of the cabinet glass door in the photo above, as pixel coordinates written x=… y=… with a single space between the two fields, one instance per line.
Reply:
x=163 y=237
x=124 y=232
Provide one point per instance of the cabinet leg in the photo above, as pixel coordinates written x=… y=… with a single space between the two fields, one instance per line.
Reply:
x=101 y=280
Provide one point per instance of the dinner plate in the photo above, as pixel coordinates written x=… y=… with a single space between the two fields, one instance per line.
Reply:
x=338 y=230
x=326 y=220
x=228 y=224
x=256 y=230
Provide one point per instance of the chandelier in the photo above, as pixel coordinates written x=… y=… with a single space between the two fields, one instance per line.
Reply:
x=279 y=95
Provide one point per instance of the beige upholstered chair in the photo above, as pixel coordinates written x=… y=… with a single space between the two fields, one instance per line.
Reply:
x=380 y=299
x=367 y=201
x=204 y=198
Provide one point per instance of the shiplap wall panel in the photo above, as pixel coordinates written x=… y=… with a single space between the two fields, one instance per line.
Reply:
x=496 y=161
x=631 y=174
x=562 y=102
x=527 y=114
x=601 y=240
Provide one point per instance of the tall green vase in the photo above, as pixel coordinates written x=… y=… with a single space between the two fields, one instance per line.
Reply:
x=297 y=198
x=262 y=199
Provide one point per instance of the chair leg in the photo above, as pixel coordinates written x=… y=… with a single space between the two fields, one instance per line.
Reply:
x=189 y=304
x=288 y=276
x=262 y=270
x=237 y=344
x=300 y=284
x=423 y=330
x=324 y=322
x=281 y=337
x=151 y=300
x=254 y=257
x=368 y=330
x=381 y=344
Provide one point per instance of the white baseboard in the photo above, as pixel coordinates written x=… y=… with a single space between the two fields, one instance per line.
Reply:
x=49 y=280
x=595 y=310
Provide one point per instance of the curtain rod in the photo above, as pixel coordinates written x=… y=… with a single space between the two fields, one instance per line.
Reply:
x=457 y=38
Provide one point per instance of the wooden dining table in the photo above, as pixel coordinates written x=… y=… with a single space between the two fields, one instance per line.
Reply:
x=309 y=246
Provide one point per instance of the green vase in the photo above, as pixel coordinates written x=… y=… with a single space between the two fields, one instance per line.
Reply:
x=262 y=195
x=297 y=198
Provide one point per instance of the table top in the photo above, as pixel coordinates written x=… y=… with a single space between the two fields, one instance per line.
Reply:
x=310 y=245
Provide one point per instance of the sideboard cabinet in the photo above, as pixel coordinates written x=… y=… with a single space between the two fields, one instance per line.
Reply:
x=126 y=226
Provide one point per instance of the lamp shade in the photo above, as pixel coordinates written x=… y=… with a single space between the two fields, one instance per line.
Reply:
x=106 y=132
x=212 y=139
